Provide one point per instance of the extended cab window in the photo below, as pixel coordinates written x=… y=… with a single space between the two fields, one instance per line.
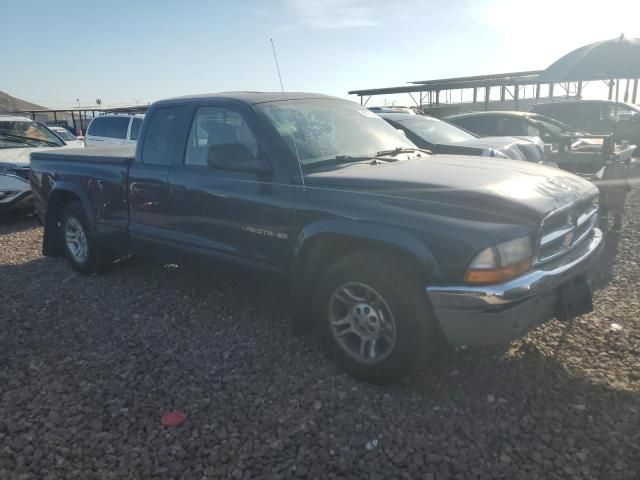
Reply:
x=135 y=128
x=160 y=139
x=215 y=126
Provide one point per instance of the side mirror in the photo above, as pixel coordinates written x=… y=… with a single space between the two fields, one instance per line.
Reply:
x=234 y=156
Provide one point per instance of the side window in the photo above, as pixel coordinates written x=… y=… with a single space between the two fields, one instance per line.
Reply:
x=161 y=136
x=473 y=124
x=534 y=131
x=483 y=125
x=135 y=128
x=216 y=126
x=97 y=127
x=513 y=126
x=117 y=127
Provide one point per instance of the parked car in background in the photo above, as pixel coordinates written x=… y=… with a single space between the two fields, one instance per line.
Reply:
x=386 y=249
x=594 y=157
x=69 y=138
x=442 y=137
x=113 y=129
x=509 y=123
x=398 y=109
x=19 y=136
x=597 y=116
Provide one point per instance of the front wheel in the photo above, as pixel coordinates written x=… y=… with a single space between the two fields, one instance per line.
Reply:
x=373 y=317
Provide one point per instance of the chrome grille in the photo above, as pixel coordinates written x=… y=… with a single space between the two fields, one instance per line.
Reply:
x=566 y=228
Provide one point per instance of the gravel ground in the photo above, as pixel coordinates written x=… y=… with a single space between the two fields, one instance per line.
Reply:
x=89 y=364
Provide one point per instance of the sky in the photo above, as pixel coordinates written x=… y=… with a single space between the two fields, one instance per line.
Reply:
x=137 y=51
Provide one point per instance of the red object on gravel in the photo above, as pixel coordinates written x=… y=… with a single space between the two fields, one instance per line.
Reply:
x=174 y=418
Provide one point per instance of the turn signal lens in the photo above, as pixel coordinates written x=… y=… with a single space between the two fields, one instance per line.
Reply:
x=497 y=275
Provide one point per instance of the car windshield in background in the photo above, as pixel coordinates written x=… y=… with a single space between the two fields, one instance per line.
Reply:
x=553 y=125
x=325 y=129
x=16 y=134
x=436 y=131
x=65 y=135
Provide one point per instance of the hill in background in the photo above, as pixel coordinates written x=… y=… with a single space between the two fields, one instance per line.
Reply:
x=12 y=104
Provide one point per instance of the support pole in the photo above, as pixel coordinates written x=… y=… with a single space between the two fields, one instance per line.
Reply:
x=55 y=118
x=611 y=82
x=503 y=93
x=626 y=92
x=537 y=91
x=73 y=119
x=579 y=91
x=551 y=85
x=487 y=94
x=635 y=91
x=475 y=94
x=516 y=95
x=437 y=97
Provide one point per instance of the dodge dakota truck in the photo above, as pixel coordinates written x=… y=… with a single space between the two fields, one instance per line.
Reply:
x=388 y=250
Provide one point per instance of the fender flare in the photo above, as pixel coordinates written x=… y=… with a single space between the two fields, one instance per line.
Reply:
x=375 y=234
x=50 y=245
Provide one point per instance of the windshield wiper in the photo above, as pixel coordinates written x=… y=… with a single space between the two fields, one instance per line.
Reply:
x=399 y=150
x=32 y=139
x=348 y=159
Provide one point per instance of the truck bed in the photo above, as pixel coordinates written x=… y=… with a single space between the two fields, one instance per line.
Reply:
x=97 y=178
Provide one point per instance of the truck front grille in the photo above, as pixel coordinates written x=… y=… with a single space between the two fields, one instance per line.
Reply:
x=564 y=229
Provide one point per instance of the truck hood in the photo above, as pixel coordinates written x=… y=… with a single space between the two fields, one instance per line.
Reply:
x=519 y=190
x=516 y=148
x=20 y=156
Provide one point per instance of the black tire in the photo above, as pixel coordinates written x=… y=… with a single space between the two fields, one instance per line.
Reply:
x=417 y=334
x=95 y=259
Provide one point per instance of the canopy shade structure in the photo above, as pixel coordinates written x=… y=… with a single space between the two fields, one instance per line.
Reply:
x=604 y=60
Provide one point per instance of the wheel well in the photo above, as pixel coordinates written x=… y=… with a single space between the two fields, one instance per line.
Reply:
x=323 y=251
x=57 y=201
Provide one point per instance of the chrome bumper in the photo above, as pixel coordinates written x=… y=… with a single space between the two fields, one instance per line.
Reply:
x=497 y=314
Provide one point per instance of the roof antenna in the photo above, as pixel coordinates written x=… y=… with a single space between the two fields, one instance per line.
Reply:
x=295 y=146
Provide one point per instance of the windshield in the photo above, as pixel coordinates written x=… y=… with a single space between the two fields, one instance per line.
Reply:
x=17 y=134
x=552 y=125
x=436 y=131
x=65 y=134
x=326 y=129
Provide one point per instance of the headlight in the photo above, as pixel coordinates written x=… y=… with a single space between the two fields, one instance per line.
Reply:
x=501 y=262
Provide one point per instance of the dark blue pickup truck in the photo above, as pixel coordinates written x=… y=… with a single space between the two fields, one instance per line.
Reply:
x=388 y=250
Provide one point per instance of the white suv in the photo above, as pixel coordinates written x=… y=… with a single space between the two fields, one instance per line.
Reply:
x=113 y=129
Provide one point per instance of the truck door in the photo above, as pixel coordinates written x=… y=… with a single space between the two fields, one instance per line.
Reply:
x=148 y=177
x=229 y=200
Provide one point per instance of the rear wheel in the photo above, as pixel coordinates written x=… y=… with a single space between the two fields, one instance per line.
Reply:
x=373 y=317
x=79 y=242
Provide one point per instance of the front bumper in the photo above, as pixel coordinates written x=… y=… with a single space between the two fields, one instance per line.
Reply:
x=15 y=193
x=498 y=314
